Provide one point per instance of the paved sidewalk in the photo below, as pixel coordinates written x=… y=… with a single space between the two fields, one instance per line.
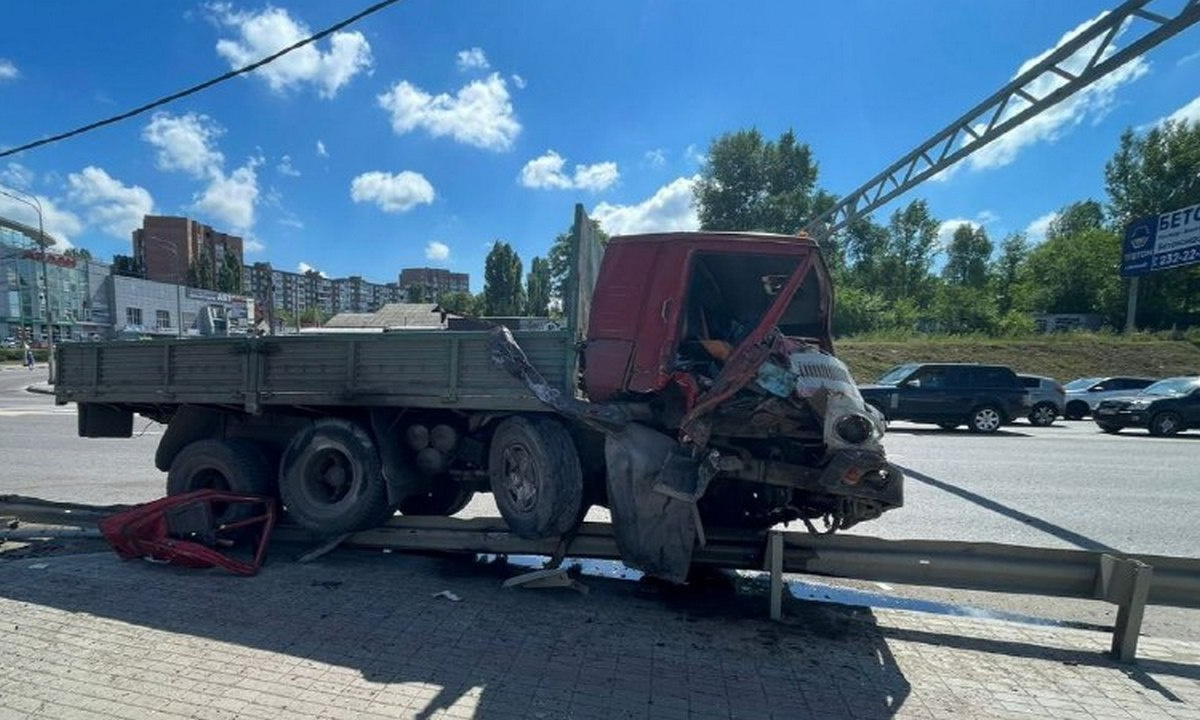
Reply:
x=361 y=635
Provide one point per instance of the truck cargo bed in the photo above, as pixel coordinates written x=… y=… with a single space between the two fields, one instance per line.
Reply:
x=417 y=368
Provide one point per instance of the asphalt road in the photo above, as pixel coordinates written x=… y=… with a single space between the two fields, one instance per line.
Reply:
x=1068 y=485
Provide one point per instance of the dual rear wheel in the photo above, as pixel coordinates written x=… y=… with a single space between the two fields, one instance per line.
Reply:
x=330 y=477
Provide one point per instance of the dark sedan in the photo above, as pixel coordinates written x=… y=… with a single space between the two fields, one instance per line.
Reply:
x=1165 y=408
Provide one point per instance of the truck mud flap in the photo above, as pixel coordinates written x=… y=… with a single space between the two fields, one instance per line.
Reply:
x=655 y=533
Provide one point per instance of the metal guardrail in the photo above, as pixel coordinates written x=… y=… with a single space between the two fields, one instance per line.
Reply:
x=1129 y=581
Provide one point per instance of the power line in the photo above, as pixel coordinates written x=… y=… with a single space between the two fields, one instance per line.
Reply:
x=202 y=86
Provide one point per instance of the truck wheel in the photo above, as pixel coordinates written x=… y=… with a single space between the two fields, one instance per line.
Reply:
x=331 y=480
x=535 y=476
x=1043 y=414
x=1076 y=409
x=1165 y=424
x=985 y=419
x=444 y=498
x=1108 y=428
x=231 y=465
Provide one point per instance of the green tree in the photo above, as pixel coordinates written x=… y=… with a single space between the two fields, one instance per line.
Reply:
x=562 y=257
x=749 y=183
x=537 y=288
x=912 y=240
x=963 y=308
x=1076 y=218
x=1153 y=173
x=229 y=275
x=458 y=303
x=415 y=293
x=967 y=258
x=1075 y=274
x=1006 y=272
x=1149 y=175
x=200 y=272
x=78 y=253
x=128 y=266
x=502 y=291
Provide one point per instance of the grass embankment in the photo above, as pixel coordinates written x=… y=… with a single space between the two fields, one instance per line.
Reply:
x=1063 y=357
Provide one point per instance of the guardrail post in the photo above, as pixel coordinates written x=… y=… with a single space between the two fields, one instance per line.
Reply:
x=775 y=568
x=1125 y=582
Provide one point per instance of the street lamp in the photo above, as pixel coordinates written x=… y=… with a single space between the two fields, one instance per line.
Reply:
x=178 y=282
x=36 y=204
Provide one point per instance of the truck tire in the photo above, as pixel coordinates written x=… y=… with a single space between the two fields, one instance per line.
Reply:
x=535 y=476
x=232 y=465
x=331 y=479
x=444 y=498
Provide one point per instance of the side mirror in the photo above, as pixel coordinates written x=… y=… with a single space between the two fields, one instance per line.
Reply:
x=912 y=383
x=1097 y=388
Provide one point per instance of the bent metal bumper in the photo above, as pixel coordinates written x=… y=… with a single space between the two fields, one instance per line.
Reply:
x=858 y=474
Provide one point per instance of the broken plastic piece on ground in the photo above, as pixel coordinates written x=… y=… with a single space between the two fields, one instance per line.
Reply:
x=547 y=578
x=183 y=530
x=448 y=595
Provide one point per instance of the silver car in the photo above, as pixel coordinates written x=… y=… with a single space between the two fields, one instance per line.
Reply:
x=1047 y=399
x=1084 y=394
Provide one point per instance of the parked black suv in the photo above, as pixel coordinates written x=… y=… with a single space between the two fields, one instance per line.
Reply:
x=950 y=394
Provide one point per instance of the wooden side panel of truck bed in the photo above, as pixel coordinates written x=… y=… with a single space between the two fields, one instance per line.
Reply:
x=419 y=368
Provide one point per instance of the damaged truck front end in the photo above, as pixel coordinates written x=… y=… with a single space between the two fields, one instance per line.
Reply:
x=755 y=421
x=708 y=370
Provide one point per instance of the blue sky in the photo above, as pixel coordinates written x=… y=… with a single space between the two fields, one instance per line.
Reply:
x=425 y=132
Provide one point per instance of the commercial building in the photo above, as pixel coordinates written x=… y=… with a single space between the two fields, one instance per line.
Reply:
x=43 y=294
x=435 y=281
x=148 y=308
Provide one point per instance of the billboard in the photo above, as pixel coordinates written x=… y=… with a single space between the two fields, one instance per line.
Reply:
x=1161 y=242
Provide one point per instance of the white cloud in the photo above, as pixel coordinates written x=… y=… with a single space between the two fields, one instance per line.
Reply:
x=1036 y=230
x=670 y=208
x=479 y=114
x=1189 y=114
x=17 y=175
x=437 y=250
x=1188 y=58
x=231 y=198
x=392 y=193
x=656 y=157
x=472 y=59
x=8 y=71
x=271 y=30
x=947 y=229
x=546 y=172
x=285 y=167
x=251 y=244
x=305 y=267
x=185 y=143
x=518 y=81
x=1091 y=103
x=115 y=208
x=695 y=155
x=321 y=149
x=59 y=223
